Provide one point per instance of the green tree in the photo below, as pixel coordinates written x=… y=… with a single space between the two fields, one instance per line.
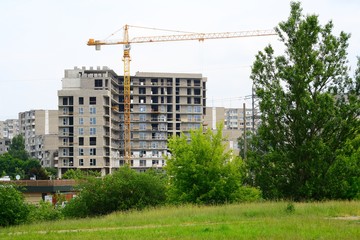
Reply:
x=80 y=174
x=309 y=105
x=13 y=208
x=344 y=175
x=201 y=170
x=12 y=166
x=17 y=148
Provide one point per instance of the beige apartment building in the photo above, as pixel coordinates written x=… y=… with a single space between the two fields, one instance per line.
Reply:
x=235 y=121
x=91 y=117
x=39 y=129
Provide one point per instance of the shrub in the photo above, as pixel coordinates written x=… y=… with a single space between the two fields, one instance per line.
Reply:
x=13 y=209
x=247 y=194
x=45 y=211
x=123 y=190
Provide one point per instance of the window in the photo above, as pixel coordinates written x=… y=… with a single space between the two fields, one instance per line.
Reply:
x=81 y=121
x=92 y=131
x=154 y=145
x=92 y=110
x=65 y=121
x=197 y=109
x=81 y=131
x=81 y=152
x=142 y=135
x=142 y=108
x=142 y=163
x=197 y=118
x=98 y=83
x=65 y=152
x=81 y=101
x=65 y=131
x=142 y=126
x=81 y=110
x=155 y=162
x=92 y=162
x=142 y=117
x=65 y=111
x=65 y=141
x=92 y=120
x=142 y=144
x=81 y=141
x=81 y=162
x=93 y=141
x=92 y=100
x=92 y=151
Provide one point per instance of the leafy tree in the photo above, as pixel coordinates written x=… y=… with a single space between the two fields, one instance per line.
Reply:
x=80 y=174
x=13 y=208
x=123 y=190
x=344 y=175
x=12 y=166
x=17 y=148
x=310 y=109
x=51 y=172
x=201 y=171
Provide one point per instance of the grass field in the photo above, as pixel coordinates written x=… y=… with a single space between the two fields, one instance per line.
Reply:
x=267 y=220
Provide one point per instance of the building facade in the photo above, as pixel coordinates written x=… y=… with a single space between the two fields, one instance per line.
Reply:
x=89 y=120
x=91 y=117
x=4 y=145
x=235 y=122
x=38 y=127
x=9 y=128
x=163 y=105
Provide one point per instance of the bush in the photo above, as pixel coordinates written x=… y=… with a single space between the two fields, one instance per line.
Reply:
x=247 y=194
x=78 y=174
x=13 y=209
x=45 y=211
x=123 y=190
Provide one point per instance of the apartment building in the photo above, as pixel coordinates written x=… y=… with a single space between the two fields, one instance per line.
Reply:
x=163 y=105
x=4 y=145
x=39 y=129
x=9 y=128
x=235 y=121
x=89 y=120
x=91 y=117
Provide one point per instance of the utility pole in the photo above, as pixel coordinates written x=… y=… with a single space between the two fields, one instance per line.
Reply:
x=244 y=132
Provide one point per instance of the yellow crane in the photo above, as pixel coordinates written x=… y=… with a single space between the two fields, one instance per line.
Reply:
x=184 y=36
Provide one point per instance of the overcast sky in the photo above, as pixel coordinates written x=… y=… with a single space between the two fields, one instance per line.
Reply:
x=41 y=38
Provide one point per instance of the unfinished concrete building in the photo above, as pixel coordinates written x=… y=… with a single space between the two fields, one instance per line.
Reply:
x=162 y=105
x=91 y=117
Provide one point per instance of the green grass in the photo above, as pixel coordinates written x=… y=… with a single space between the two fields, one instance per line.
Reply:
x=267 y=220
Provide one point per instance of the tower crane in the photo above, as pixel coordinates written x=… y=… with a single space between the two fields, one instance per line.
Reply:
x=184 y=36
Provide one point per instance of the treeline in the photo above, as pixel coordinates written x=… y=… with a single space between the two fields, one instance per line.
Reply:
x=18 y=162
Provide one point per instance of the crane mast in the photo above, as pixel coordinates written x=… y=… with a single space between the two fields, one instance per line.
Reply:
x=165 y=38
x=127 y=133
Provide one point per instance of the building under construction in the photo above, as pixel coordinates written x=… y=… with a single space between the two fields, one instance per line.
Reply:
x=91 y=117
